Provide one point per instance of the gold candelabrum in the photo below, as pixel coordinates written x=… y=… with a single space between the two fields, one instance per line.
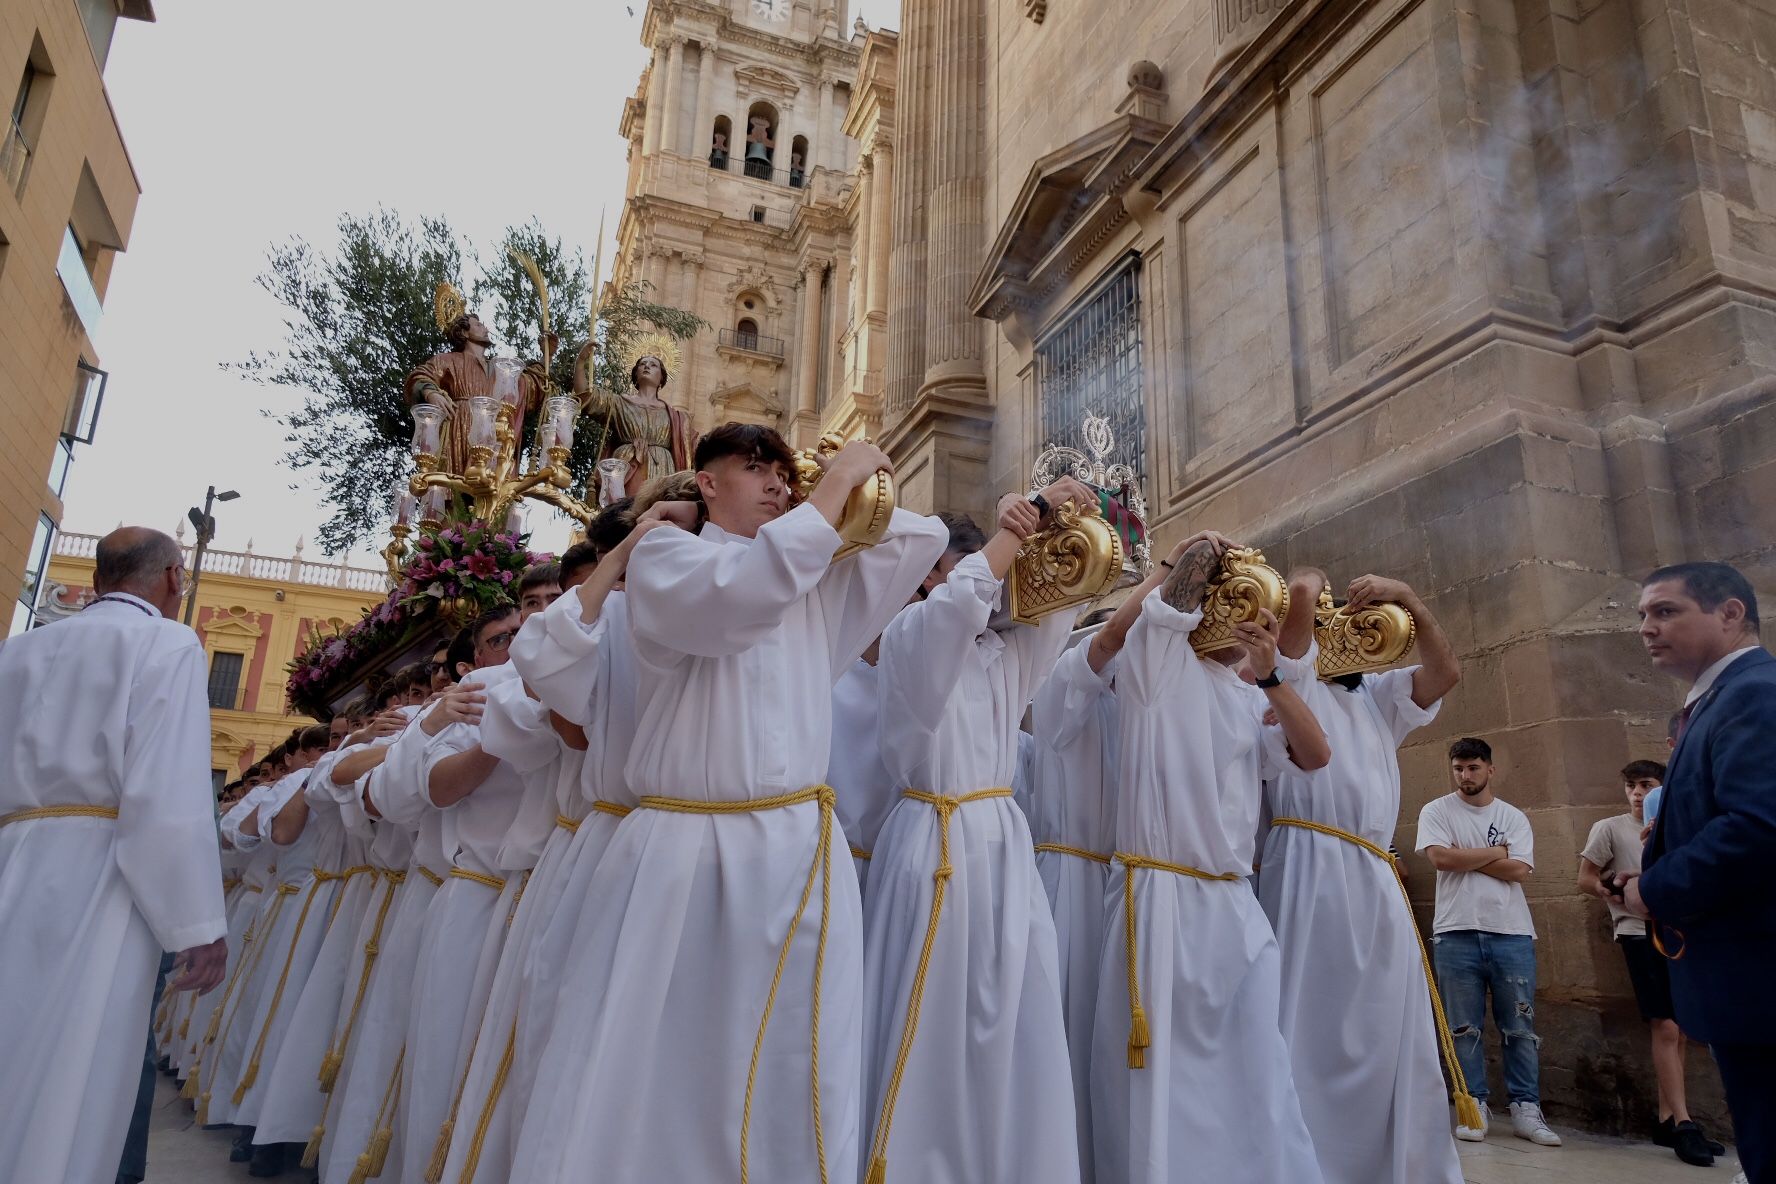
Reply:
x=492 y=478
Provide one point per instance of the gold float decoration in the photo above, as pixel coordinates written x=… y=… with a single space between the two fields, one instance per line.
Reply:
x=1244 y=584
x=1358 y=641
x=1075 y=560
x=865 y=517
x=656 y=344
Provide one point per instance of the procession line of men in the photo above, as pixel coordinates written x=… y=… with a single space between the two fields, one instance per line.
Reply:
x=566 y=905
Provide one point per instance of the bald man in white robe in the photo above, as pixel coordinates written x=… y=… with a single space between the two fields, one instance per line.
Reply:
x=107 y=857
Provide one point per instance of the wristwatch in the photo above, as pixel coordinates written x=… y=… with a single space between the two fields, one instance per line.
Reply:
x=1041 y=504
x=1273 y=679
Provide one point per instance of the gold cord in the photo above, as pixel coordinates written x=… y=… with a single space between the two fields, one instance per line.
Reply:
x=1139 y=1036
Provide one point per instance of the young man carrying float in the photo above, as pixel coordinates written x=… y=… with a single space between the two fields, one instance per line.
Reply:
x=724 y=953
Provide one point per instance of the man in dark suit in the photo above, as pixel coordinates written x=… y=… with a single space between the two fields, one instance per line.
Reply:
x=1706 y=881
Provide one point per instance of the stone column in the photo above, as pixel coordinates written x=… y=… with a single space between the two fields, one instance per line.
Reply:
x=819 y=144
x=701 y=133
x=864 y=235
x=690 y=301
x=807 y=414
x=669 y=124
x=906 y=250
x=957 y=215
x=882 y=218
x=656 y=102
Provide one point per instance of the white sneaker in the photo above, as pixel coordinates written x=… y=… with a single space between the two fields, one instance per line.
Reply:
x=1471 y=1134
x=1527 y=1123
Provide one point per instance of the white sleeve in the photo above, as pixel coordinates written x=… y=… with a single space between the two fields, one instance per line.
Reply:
x=1063 y=705
x=1037 y=648
x=1300 y=671
x=1392 y=691
x=861 y=593
x=454 y=739
x=556 y=653
x=166 y=817
x=515 y=728
x=237 y=814
x=397 y=786
x=1156 y=658
x=1520 y=837
x=690 y=596
x=925 y=647
x=1432 y=830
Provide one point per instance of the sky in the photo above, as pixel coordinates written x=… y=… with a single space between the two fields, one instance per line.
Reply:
x=249 y=123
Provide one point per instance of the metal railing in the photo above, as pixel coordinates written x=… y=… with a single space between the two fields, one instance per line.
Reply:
x=15 y=158
x=295 y=570
x=756 y=343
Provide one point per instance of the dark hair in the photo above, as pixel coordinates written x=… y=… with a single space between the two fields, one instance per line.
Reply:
x=665 y=375
x=610 y=528
x=1468 y=748
x=1635 y=770
x=541 y=575
x=500 y=610
x=1674 y=725
x=750 y=441
x=457 y=332
x=318 y=736
x=965 y=536
x=579 y=559
x=1711 y=585
x=461 y=651
x=139 y=556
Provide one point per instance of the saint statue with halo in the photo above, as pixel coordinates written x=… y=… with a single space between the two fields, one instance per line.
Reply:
x=643 y=435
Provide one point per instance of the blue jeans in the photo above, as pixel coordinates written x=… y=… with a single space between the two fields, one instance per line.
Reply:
x=1470 y=963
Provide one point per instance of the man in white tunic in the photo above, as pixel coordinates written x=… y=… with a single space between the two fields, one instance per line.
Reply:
x=1368 y=1079
x=855 y=770
x=962 y=1006
x=107 y=857
x=723 y=954
x=1191 y=1079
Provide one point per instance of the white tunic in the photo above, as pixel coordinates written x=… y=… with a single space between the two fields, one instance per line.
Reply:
x=1355 y=1007
x=986 y=1092
x=253 y=857
x=1073 y=804
x=106 y=709
x=855 y=771
x=739 y=642
x=1216 y=1100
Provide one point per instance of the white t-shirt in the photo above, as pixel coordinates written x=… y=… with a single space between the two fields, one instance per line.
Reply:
x=1475 y=900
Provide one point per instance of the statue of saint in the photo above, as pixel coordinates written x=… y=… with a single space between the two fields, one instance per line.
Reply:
x=449 y=380
x=646 y=435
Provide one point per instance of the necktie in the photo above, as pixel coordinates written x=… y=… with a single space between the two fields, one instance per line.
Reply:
x=1683 y=719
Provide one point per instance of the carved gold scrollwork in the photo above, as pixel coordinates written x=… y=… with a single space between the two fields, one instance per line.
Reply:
x=1371 y=638
x=865 y=518
x=1074 y=561
x=1244 y=585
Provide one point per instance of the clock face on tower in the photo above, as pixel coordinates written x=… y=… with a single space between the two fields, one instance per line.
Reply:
x=771 y=10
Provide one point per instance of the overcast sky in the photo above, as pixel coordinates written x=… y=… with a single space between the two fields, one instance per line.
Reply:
x=248 y=123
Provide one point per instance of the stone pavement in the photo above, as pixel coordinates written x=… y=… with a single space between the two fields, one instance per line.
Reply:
x=180 y=1153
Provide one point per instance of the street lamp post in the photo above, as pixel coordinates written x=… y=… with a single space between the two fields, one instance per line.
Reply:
x=206 y=530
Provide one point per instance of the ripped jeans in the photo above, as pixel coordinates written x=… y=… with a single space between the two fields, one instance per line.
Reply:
x=1469 y=963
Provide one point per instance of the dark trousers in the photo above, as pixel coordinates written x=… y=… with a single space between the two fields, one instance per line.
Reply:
x=1748 y=1071
x=134 y=1166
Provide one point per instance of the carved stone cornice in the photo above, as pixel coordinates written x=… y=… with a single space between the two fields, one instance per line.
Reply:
x=1070 y=202
x=765 y=80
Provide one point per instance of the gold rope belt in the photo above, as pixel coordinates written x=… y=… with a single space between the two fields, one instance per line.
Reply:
x=267 y=924
x=616 y=811
x=1076 y=852
x=255 y=887
x=437 y=881
x=58 y=812
x=1139 y=1037
x=472 y=1159
x=945 y=806
x=1467 y=1110
x=395 y=875
x=321 y=877
x=375 y=1154
x=821 y=867
x=570 y=825
x=335 y=1056
x=463 y=873
x=346 y=877
x=859 y=853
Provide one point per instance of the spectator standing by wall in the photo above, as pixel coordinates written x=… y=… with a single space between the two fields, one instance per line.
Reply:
x=1483 y=938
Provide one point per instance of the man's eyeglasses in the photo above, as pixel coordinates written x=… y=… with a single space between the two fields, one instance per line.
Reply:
x=500 y=641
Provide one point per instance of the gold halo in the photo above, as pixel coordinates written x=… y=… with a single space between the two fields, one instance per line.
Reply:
x=447 y=305
x=660 y=345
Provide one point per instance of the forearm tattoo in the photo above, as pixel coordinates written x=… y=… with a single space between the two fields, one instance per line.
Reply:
x=1185 y=586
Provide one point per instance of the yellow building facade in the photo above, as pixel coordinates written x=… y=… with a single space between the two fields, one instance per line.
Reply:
x=255 y=614
x=68 y=196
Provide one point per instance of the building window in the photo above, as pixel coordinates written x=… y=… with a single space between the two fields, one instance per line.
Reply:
x=100 y=18
x=761 y=141
x=24 y=122
x=218 y=778
x=720 y=143
x=36 y=560
x=225 y=677
x=1091 y=365
x=60 y=461
x=83 y=408
x=798 y=162
x=746 y=333
x=758 y=213
x=71 y=267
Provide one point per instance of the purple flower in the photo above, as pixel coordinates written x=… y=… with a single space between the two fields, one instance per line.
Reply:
x=481 y=564
x=447 y=565
x=505 y=577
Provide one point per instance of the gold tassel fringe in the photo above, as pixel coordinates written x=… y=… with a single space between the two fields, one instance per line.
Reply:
x=246 y=1082
x=311 y=1154
x=440 y=1151
x=379 y=1149
x=330 y=1065
x=189 y=1090
x=1467 y=1111
x=203 y=1109
x=1139 y=1038
x=878 y=1171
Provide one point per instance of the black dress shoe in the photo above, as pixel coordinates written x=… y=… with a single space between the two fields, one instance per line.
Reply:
x=242 y=1151
x=268 y=1160
x=1665 y=1135
x=1691 y=1145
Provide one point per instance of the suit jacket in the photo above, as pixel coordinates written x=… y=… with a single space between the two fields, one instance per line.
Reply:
x=1709 y=862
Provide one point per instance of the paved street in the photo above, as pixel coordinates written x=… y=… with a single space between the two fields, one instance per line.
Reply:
x=179 y=1153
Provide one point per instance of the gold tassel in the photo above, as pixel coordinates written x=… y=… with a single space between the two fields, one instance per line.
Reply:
x=203 y=1109
x=215 y=1024
x=361 y=1173
x=440 y=1151
x=379 y=1149
x=1467 y=1111
x=330 y=1065
x=185 y=1029
x=246 y=1082
x=311 y=1154
x=1138 y=1039
x=189 y=1090
x=878 y=1172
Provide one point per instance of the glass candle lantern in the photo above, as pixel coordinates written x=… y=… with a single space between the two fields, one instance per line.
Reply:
x=434 y=505
x=482 y=413
x=508 y=391
x=404 y=504
x=428 y=423
x=560 y=412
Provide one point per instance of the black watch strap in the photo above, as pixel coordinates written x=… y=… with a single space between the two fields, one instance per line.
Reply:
x=1040 y=502
x=1273 y=679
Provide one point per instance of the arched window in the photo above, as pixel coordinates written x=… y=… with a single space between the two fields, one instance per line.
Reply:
x=761 y=141
x=746 y=333
x=798 y=162
x=721 y=140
